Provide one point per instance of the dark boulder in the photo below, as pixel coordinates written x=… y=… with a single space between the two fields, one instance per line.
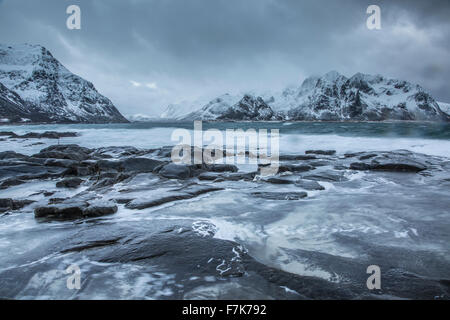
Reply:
x=295 y=168
x=321 y=152
x=276 y=180
x=175 y=171
x=390 y=162
x=295 y=157
x=68 y=151
x=75 y=209
x=10 y=204
x=69 y=183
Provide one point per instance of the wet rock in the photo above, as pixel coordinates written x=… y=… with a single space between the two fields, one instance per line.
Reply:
x=30 y=171
x=123 y=200
x=321 y=163
x=84 y=171
x=10 y=204
x=329 y=176
x=174 y=248
x=47 y=135
x=321 y=152
x=361 y=166
x=74 y=209
x=140 y=165
x=309 y=185
x=65 y=163
x=137 y=165
x=99 y=209
x=5 y=205
x=294 y=168
x=61 y=211
x=188 y=192
x=222 y=168
x=68 y=151
x=398 y=165
x=238 y=176
x=8 y=134
x=209 y=176
x=276 y=180
x=280 y=195
x=394 y=164
x=295 y=157
x=70 y=183
x=11 y=155
x=367 y=156
x=11 y=182
x=175 y=171
x=124 y=151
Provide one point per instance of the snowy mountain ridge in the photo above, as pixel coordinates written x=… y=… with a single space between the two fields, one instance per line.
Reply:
x=331 y=97
x=44 y=90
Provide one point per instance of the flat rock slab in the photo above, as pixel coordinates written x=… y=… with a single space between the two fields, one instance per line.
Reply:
x=185 y=193
x=309 y=185
x=394 y=164
x=39 y=135
x=321 y=152
x=137 y=165
x=75 y=209
x=294 y=167
x=277 y=180
x=30 y=171
x=280 y=195
x=326 y=176
x=295 y=157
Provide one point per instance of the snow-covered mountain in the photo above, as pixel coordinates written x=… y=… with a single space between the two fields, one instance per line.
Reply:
x=445 y=107
x=42 y=89
x=225 y=108
x=361 y=97
x=332 y=97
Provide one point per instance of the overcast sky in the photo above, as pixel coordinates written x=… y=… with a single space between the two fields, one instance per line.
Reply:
x=145 y=54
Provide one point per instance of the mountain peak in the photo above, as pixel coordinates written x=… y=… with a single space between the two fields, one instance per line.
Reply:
x=332 y=76
x=49 y=89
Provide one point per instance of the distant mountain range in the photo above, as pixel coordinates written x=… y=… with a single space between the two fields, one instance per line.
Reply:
x=332 y=97
x=35 y=87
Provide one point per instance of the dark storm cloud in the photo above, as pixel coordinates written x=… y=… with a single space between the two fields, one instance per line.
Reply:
x=144 y=54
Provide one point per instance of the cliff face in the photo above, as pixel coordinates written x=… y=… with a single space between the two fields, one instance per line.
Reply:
x=45 y=90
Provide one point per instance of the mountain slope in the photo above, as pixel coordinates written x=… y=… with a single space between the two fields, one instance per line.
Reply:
x=361 y=97
x=226 y=108
x=13 y=108
x=332 y=97
x=49 y=90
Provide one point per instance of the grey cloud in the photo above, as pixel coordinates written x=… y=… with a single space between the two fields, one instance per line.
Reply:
x=191 y=48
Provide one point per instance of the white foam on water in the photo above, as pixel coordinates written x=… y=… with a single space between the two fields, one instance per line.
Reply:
x=299 y=143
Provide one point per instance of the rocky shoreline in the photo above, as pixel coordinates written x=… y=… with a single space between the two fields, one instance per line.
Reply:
x=109 y=179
